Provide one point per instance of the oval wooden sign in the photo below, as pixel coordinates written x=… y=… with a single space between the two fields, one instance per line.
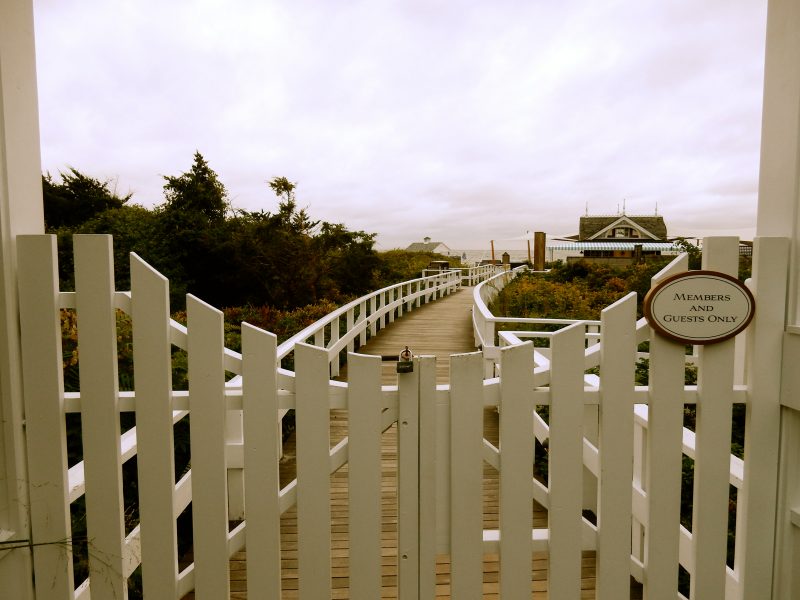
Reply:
x=699 y=307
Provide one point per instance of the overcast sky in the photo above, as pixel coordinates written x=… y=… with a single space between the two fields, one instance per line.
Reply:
x=460 y=120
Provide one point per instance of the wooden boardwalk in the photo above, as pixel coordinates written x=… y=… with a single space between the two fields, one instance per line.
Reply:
x=441 y=328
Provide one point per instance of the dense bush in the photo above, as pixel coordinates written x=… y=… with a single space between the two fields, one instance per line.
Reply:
x=578 y=290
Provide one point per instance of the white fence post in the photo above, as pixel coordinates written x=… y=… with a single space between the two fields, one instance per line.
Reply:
x=755 y=535
x=466 y=475
x=408 y=484
x=207 y=429
x=44 y=408
x=261 y=444
x=664 y=458
x=313 y=468
x=364 y=479
x=97 y=341
x=713 y=441
x=565 y=461
x=152 y=359
x=617 y=359
x=427 y=476
x=516 y=470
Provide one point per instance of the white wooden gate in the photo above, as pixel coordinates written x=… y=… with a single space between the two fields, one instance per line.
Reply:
x=635 y=456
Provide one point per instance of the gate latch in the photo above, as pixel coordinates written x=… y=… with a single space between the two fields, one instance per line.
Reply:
x=404 y=364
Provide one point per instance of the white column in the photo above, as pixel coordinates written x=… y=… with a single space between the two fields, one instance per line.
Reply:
x=779 y=179
x=20 y=212
x=779 y=215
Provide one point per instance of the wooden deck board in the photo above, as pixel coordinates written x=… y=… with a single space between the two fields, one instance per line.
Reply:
x=441 y=328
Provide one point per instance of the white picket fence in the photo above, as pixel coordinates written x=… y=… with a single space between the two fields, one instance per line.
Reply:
x=633 y=450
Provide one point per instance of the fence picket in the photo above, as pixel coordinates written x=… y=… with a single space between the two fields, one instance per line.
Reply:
x=713 y=440
x=516 y=470
x=207 y=430
x=617 y=358
x=754 y=528
x=466 y=476
x=154 y=429
x=408 y=485
x=427 y=476
x=44 y=414
x=261 y=456
x=664 y=459
x=566 y=461
x=97 y=343
x=364 y=452
x=313 y=469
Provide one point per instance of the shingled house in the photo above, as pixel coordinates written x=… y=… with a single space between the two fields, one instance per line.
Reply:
x=619 y=239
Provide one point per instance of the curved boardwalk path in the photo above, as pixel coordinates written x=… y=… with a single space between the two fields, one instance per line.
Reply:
x=440 y=328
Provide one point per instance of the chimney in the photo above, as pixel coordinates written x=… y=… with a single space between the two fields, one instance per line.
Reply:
x=539 y=247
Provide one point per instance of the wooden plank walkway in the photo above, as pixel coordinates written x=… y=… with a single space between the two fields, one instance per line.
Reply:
x=441 y=328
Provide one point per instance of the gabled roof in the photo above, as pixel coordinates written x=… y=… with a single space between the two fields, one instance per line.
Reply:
x=426 y=246
x=594 y=228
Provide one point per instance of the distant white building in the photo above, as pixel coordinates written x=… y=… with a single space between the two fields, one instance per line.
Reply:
x=428 y=246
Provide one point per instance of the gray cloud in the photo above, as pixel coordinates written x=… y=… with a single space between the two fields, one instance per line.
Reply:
x=466 y=121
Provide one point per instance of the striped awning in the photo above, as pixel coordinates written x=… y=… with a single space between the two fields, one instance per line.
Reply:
x=630 y=246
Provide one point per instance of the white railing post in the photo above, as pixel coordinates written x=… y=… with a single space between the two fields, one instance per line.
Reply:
x=349 y=322
x=334 y=335
x=362 y=315
x=373 y=326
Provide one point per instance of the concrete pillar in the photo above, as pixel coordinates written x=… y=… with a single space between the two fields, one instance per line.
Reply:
x=20 y=212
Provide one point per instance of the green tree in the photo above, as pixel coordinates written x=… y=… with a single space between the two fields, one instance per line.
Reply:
x=191 y=223
x=694 y=252
x=76 y=199
x=198 y=192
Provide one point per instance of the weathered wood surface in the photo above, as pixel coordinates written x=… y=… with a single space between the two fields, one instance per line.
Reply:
x=439 y=328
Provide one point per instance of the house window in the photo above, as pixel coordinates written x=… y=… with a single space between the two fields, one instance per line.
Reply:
x=624 y=232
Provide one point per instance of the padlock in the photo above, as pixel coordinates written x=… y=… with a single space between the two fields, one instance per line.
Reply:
x=404 y=363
